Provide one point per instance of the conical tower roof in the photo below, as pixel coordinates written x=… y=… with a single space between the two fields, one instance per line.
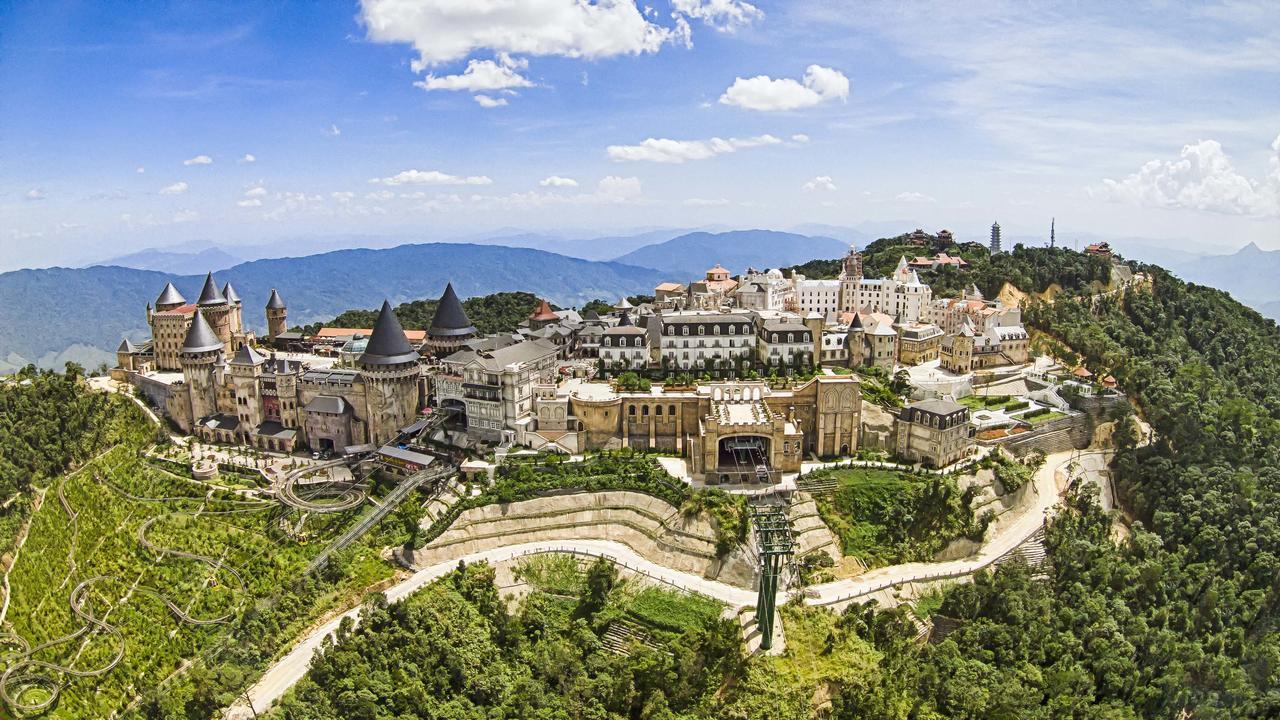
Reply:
x=170 y=296
x=210 y=294
x=625 y=320
x=200 y=337
x=857 y=322
x=246 y=355
x=544 y=313
x=450 y=319
x=126 y=347
x=274 y=302
x=387 y=344
x=230 y=293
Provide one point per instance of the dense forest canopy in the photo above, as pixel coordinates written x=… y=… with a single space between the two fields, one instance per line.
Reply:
x=499 y=312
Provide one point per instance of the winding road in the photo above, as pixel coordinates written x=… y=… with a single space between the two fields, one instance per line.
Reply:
x=1049 y=483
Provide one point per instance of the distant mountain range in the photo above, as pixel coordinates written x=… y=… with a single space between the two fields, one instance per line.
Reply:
x=52 y=315
x=689 y=256
x=177 y=262
x=1251 y=275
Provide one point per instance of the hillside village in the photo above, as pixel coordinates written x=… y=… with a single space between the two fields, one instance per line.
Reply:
x=742 y=376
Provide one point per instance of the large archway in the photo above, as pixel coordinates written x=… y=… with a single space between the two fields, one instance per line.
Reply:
x=456 y=414
x=743 y=459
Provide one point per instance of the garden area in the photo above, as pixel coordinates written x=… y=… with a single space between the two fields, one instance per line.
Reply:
x=885 y=517
x=200 y=589
x=598 y=473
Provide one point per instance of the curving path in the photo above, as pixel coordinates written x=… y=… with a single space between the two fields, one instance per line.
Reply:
x=1049 y=482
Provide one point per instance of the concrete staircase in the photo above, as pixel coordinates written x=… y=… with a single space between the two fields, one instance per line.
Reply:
x=623 y=636
x=450 y=492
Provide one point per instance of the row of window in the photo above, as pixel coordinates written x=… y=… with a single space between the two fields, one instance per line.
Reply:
x=644 y=410
x=702 y=329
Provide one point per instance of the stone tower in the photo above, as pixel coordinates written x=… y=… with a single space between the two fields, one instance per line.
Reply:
x=216 y=310
x=201 y=353
x=850 y=280
x=234 y=316
x=855 y=341
x=542 y=316
x=995 y=238
x=450 y=327
x=246 y=374
x=170 y=299
x=390 y=370
x=277 y=314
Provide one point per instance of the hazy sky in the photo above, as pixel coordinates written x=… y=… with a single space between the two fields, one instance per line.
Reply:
x=125 y=125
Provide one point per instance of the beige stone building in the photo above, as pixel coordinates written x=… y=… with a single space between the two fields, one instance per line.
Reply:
x=936 y=433
x=918 y=343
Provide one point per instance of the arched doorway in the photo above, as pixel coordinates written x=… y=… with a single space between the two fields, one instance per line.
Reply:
x=455 y=414
x=744 y=459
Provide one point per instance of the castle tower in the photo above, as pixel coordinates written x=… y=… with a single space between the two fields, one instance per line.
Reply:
x=995 y=238
x=855 y=342
x=850 y=280
x=277 y=314
x=246 y=372
x=450 y=327
x=170 y=299
x=542 y=316
x=390 y=370
x=235 y=317
x=201 y=352
x=216 y=310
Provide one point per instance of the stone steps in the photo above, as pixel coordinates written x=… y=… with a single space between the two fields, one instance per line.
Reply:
x=622 y=637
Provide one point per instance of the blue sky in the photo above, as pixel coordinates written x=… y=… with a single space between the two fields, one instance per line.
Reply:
x=127 y=125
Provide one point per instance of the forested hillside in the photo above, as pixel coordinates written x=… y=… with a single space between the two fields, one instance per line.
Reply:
x=1180 y=619
x=48 y=423
x=495 y=313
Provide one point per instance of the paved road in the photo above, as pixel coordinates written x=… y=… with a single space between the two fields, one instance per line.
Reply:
x=1049 y=481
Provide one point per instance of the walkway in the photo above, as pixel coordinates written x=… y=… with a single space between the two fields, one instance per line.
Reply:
x=1049 y=482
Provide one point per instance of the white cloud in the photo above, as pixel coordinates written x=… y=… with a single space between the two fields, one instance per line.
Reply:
x=619 y=189
x=250 y=202
x=489 y=102
x=431 y=177
x=333 y=131
x=445 y=30
x=820 y=84
x=344 y=196
x=664 y=150
x=198 y=160
x=705 y=202
x=175 y=189
x=913 y=197
x=36 y=194
x=557 y=181
x=248 y=158
x=141 y=170
x=1202 y=178
x=256 y=191
x=822 y=182
x=378 y=195
x=479 y=75
x=800 y=138
x=723 y=15
x=184 y=216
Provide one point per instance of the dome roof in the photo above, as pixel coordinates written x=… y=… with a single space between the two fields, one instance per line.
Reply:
x=387 y=344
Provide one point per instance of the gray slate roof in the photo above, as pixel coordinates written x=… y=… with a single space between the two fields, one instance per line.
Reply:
x=329 y=404
x=387 y=344
x=230 y=293
x=937 y=407
x=450 y=319
x=274 y=302
x=126 y=347
x=246 y=355
x=210 y=294
x=200 y=337
x=170 y=296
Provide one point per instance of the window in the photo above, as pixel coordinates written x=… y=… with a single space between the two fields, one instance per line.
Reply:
x=685 y=330
x=644 y=411
x=657 y=410
x=702 y=329
x=671 y=409
x=733 y=329
x=631 y=410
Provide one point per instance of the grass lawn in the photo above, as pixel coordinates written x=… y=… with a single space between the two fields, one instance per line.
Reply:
x=1046 y=417
x=883 y=517
x=993 y=402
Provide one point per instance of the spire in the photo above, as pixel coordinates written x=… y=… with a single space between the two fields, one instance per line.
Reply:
x=625 y=320
x=387 y=344
x=170 y=296
x=210 y=294
x=246 y=355
x=450 y=319
x=856 y=324
x=200 y=337
x=230 y=294
x=274 y=302
x=126 y=347
x=544 y=313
